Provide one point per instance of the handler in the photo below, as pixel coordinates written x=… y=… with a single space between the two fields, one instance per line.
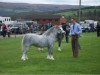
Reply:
x=75 y=30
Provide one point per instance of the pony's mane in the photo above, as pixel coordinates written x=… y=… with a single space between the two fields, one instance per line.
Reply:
x=49 y=31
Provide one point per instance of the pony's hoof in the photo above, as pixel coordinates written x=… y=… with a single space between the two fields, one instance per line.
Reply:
x=50 y=58
x=23 y=59
x=59 y=49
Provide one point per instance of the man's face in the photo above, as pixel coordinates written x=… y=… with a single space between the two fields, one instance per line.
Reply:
x=73 y=21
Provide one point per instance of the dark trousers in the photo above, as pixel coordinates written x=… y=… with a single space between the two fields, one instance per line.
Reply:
x=8 y=33
x=67 y=36
x=75 y=45
x=98 y=33
x=4 y=33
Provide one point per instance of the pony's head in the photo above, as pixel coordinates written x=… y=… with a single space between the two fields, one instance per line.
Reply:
x=59 y=29
x=54 y=29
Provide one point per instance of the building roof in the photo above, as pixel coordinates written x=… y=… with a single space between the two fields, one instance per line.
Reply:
x=46 y=16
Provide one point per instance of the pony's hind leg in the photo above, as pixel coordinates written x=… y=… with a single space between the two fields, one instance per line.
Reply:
x=24 y=52
x=50 y=53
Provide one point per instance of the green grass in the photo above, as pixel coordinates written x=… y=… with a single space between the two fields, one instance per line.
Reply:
x=87 y=63
x=68 y=13
x=74 y=12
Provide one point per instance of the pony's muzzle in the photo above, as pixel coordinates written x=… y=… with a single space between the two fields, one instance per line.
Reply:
x=63 y=32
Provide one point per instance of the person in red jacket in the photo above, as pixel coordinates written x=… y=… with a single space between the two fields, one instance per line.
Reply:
x=4 y=30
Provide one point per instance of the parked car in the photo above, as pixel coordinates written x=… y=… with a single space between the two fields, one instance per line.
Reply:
x=19 y=28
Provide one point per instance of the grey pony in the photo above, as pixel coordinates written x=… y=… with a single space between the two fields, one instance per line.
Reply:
x=47 y=39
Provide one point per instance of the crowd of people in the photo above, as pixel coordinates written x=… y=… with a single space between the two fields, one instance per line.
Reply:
x=40 y=27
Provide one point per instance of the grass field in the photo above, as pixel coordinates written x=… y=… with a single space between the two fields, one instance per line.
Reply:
x=74 y=12
x=64 y=64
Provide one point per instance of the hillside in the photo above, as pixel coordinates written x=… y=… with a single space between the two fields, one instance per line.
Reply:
x=8 y=9
x=86 y=13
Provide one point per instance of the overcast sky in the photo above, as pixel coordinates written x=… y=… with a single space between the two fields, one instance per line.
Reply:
x=70 y=2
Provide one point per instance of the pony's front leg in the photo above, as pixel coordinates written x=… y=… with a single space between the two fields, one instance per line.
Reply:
x=24 y=53
x=50 y=53
x=59 y=45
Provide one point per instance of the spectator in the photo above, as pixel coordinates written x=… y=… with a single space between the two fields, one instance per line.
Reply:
x=49 y=25
x=66 y=29
x=67 y=32
x=0 y=28
x=4 y=30
x=98 y=29
x=8 y=30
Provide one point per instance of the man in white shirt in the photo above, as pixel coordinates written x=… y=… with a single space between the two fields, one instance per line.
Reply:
x=75 y=31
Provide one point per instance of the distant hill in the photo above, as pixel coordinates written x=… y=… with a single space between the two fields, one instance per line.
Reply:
x=9 y=9
x=91 y=12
